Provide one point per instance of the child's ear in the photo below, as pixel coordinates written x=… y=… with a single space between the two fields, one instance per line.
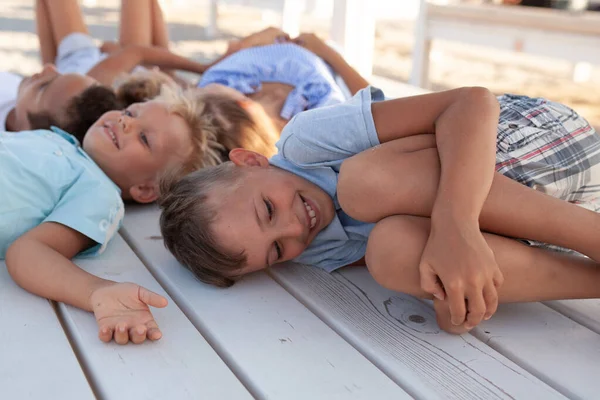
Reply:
x=247 y=158
x=144 y=193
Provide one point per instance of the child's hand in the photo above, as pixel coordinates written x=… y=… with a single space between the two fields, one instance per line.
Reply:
x=458 y=264
x=313 y=43
x=109 y=47
x=122 y=313
x=266 y=36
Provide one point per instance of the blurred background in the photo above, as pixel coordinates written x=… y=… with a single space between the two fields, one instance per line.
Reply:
x=452 y=64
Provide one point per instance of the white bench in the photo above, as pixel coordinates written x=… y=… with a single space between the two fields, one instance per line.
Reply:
x=546 y=32
x=293 y=332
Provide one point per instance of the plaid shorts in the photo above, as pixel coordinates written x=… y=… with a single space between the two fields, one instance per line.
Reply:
x=549 y=147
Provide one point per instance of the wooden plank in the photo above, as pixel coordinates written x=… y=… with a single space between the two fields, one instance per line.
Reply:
x=179 y=366
x=398 y=333
x=584 y=312
x=36 y=359
x=276 y=346
x=559 y=351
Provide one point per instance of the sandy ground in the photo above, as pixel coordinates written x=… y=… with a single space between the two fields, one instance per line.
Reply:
x=452 y=64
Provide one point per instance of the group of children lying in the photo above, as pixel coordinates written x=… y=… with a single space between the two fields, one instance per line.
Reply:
x=460 y=196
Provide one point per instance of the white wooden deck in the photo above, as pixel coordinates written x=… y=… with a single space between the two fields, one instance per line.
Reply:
x=291 y=333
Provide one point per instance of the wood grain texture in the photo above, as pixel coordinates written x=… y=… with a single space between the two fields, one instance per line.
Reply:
x=179 y=366
x=556 y=349
x=277 y=347
x=399 y=334
x=36 y=359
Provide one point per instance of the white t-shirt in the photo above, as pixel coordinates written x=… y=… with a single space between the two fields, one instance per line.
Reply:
x=9 y=86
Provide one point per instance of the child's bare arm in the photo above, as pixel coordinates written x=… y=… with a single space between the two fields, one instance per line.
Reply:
x=464 y=122
x=125 y=59
x=39 y=261
x=351 y=77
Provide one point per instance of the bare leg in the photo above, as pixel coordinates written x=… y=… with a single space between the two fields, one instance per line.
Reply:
x=65 y=18
x=48 y=46
x=511 y=209
x=530 y=274
x=135 y=27
x=160 y=33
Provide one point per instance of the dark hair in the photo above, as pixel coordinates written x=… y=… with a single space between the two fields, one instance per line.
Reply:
x=141 y=86
x=188 y=213
x=81 y=112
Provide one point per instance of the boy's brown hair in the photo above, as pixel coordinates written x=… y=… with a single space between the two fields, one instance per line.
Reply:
x=188 y=211
x=81 y=112
x=141 y=86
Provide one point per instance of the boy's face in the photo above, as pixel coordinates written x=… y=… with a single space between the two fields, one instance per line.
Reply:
x=272 y=215
x=48 y=92
x=134 y=145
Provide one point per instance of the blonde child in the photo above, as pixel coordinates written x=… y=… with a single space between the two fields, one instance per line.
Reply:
x=58 y=199
x=428 y=191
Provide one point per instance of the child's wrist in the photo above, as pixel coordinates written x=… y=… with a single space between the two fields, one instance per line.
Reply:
x=95 y=292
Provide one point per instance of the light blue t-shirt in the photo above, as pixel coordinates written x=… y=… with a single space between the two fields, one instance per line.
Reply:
x=45 y=176
x=313 y=145
x=312 y=79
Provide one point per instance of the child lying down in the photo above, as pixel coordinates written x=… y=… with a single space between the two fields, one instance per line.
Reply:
x=457 y=196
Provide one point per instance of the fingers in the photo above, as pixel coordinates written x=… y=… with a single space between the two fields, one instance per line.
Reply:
x=150 y=298
x=121 y=335
x=138 y=334
x=431 y=283
x=490 y=295
x=456 y=301
x=476 y=309
x=153 y=333
x=105 y=334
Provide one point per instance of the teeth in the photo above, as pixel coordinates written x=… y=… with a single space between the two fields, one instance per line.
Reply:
x=311 y=214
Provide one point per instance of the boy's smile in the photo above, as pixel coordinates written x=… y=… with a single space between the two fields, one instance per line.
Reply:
x=271 y=215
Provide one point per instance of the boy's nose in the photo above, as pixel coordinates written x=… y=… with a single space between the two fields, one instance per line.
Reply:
x=293 y=227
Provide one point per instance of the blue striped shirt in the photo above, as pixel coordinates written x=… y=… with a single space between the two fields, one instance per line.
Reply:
x=288 y=63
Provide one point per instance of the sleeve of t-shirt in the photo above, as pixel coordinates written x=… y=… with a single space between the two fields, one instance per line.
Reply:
x=329 y=134
x=91 y=207
x=332 y=255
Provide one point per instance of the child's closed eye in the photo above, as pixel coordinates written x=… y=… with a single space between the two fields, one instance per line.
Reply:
x=270 y=212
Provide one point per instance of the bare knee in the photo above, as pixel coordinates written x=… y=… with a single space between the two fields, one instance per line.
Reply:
x=394 y=251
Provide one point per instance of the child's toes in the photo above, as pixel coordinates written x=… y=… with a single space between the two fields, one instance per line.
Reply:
x=105 y=334
x=137 y=334
x=121 y=334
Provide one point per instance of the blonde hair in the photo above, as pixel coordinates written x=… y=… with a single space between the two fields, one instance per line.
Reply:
x=241 y=124
x=206 y=149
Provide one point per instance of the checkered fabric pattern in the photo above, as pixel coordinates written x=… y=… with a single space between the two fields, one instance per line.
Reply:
x=549 y=147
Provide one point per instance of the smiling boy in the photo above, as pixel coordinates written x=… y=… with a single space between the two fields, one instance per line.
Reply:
x=410 y=185
x=58 y=199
